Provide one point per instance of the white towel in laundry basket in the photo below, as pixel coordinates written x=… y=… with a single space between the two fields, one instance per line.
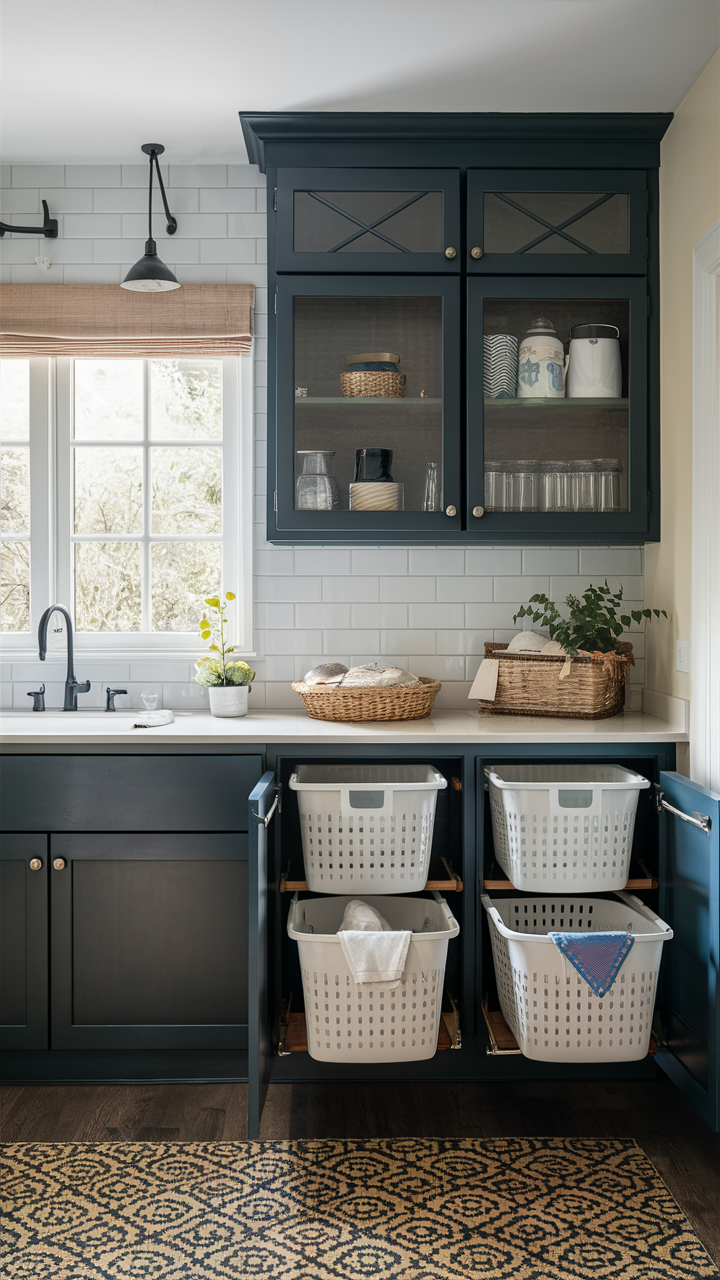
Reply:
x=375 y=952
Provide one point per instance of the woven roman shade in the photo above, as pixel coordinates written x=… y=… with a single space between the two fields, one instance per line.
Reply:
x=102 y=320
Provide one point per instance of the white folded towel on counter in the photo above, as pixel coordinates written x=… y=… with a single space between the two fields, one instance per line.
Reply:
x=375 y=953
x=152 y=719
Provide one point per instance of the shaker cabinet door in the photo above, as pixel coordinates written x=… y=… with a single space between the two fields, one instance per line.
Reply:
x=149 y=941
x=393 y=220
x=543 y=221
x=368 y=408
x=23 y=941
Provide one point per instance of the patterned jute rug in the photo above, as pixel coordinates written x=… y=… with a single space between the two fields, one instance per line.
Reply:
x=391 y=1209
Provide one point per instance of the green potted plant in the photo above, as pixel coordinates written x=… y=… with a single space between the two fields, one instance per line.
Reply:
x=228 y=682
x=594 y=623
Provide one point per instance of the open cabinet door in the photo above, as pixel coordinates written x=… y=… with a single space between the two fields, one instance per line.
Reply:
x=690 y=902
x=263 y=804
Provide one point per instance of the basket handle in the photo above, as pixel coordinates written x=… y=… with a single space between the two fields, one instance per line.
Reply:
x=377 y=800
x=580 y=800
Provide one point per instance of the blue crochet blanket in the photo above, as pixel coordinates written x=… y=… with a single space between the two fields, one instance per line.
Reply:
x=598 y=957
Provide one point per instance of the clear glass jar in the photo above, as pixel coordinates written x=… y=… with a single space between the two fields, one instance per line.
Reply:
x=609 y=471
x=584 y=478
x=496 y=485
x=316 y=488
x=431 y=495
x=554 y=486
x=523 y=484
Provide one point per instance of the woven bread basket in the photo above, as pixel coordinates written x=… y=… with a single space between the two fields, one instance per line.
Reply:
x=393 y=702
x=590 y=686
x=373 y=382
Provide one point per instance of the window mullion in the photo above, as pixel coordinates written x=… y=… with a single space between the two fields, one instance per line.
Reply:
x=146 y=587
x=63 y=461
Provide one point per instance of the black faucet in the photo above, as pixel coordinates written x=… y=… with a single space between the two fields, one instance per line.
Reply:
x=110 y=696
x=72 y=688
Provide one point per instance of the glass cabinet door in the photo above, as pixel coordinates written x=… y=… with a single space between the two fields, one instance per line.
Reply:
x=368 y=220
x=557 y=406
x=368 y=406
x=569 y=221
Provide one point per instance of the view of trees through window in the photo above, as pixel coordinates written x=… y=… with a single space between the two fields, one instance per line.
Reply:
x=15 y=495
x=146 y=504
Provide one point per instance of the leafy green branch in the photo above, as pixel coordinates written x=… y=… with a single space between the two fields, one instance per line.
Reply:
x=595 y=622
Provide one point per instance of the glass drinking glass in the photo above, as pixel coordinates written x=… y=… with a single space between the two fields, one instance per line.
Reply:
x=149 y=699
x=584 y=485
x=608 y=483
x=523 y=483
x=316 y=488
x=496 y=485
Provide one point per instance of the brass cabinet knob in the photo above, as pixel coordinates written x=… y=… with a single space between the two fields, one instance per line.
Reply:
x=450 y=252
x=478 y=511
x=59 y=864
x=451 y=510
x=35 y=864
x=476 y=252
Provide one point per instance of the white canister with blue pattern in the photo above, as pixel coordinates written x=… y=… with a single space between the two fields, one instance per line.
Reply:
x=541 y=363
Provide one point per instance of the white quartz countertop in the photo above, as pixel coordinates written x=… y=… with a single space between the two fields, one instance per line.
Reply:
x=199 y=728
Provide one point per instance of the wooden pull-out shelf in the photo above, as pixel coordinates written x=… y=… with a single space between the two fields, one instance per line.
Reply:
x=640 y=878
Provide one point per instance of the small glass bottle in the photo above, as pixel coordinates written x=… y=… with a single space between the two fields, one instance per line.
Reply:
x=431 y=496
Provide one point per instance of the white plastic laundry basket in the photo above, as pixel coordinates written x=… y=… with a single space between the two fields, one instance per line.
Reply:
x=366 y=828
x=347 y=1022
x=564 y=826
x=552 y=1012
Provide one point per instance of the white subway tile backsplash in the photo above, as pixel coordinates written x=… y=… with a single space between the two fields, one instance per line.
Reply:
x=355 y=589
x=409 y=589
x=406 y=641
x=598 y=561
x=312 y=614
x=467 y=590
x=440 y=561
x=547 y=560
x=454 y=696
x=380 y=560
x=354 y=638
x=6 y=695
x=428 y=608
x=379 y=615
x=322 y=560
x=560 y=587
x=436 y=615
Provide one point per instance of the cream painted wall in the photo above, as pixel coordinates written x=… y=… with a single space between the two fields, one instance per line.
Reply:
x=689 y=204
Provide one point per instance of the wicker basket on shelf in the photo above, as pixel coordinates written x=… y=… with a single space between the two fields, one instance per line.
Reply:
x=393 y=702
x=385 y=383
x=590 y=686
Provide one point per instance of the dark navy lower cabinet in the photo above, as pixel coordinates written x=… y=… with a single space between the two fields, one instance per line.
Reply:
x=149 y=941
x=24 y=941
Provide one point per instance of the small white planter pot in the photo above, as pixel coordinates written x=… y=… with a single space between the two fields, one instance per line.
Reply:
x=229 y=699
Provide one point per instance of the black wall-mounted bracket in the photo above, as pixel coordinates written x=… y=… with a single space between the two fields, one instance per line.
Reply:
x=49 y=228
x=153 y=150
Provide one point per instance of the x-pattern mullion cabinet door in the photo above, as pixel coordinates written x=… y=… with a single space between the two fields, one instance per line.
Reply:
x=557 y=222
x=394 y=220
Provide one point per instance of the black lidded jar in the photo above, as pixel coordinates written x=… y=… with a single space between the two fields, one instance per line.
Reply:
x=372 y=464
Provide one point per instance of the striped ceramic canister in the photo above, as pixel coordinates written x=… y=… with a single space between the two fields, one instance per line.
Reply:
x=500 y=368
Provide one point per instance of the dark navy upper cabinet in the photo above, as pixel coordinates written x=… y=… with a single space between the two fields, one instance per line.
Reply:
x=368 y=220
x=447 y=220
x=545 y=221
x=357 y=451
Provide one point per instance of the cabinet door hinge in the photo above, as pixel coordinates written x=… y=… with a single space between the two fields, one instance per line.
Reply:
x=275 y=500
x=275 y=200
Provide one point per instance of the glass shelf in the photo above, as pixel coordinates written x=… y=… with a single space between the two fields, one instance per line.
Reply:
x=557 y=402
x=406 y=401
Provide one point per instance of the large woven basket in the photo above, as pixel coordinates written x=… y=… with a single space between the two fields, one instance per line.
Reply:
x=592 y=686
x=373 y=382
x=395 y=702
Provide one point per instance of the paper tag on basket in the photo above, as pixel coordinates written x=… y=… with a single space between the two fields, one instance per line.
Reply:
x=566 y=669
x=485 y=683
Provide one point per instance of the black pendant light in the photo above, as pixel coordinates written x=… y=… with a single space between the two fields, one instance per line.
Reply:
x=150 y=274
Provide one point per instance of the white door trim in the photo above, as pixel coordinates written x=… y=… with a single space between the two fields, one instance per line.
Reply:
x=705 y=637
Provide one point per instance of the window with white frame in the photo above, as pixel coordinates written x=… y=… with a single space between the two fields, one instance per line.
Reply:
x=126 y=491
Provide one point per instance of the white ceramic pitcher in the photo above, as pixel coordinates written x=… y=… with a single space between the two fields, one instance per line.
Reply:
x=594 y=367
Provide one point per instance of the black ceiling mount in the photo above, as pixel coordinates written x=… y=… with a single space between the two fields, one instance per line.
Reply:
x=49 y=228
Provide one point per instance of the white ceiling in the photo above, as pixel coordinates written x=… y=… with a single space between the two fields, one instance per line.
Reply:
x=90 y=80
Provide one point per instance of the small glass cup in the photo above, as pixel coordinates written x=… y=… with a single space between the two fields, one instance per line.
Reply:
x=584 y=485
x=150 y=699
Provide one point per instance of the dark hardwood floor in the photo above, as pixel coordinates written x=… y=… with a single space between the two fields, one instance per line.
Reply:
x=682 y=1148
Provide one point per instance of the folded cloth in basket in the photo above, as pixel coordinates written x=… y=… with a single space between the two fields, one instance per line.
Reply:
x=375 y=952
x=597 y=957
